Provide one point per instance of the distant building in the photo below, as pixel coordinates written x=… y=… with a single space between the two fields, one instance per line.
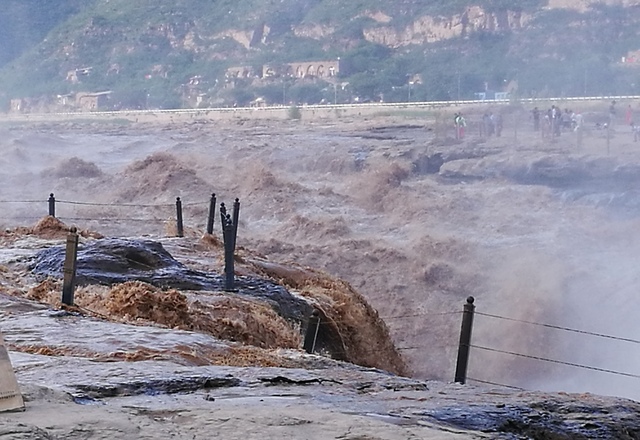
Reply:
x=237 y=72
x=18 y=105
x=64 y=100
x=193 y=94
x=258 y=102
x=490 y=95
x=73 y=76
x=316 y=69
x=92 y=101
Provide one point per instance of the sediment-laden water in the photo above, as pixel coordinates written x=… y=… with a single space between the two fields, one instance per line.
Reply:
x=355 y=199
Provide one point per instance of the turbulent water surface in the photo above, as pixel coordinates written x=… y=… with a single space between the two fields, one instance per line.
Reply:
x=535 y=229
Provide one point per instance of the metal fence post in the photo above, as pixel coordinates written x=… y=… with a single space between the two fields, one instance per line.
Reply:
x=69 y=270
x=228 y=230
x=311 y=335
x=212 y=214
x=236 y=217
x=465 y=341
x=179 y=217
x=52 y=205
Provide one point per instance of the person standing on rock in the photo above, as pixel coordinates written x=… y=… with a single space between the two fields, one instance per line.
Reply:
x=487 y=121
x=578 y=128
x=462 y=123
x=556 y=116
x=492 y=125
x=578 y=121
x=499 y=123
x=546 y=125
x=536 y=119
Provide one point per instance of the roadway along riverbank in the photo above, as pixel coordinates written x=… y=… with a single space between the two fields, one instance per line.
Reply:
x=304 y=112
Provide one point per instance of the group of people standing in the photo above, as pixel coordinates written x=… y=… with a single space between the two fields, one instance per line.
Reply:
x=491 y=125
x=554 y=121
x=550 y=123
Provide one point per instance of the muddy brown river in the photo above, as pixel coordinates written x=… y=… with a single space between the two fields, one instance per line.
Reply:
x=542 y=233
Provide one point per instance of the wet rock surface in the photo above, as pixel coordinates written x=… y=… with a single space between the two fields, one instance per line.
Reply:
x=90 y=392
x=536 y=168
x=153 y=387
x=464 y=410
x=117 y=260
x=542 y=420
x=594 y=180
x=352 y=404
x=98 y=395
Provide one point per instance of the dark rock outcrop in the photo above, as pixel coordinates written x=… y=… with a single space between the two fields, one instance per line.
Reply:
x=117 y=260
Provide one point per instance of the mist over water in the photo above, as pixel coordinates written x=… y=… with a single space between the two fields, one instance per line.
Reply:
x=347 y=199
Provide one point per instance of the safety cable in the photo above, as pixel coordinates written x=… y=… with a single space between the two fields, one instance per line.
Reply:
x=571 y=364
x=421 y=314
x=557 y=327
x=96 y=219
x=23 y=201
x=126 y=205
x=495 y=383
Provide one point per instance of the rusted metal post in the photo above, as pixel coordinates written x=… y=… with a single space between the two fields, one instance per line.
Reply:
x=465 y=341
x=69 y=270
x=311 y=335
x=52 y=205
x=212 y=214
x=229 y=248
x=236 y=216
x=179 y=217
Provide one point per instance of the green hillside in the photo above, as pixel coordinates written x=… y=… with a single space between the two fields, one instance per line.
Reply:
x=167 y=53
x=25 y=23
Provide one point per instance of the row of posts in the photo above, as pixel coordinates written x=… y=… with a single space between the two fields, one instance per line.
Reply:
x=230 y=230
x=464 y=346
x=229 y=224
x=179 y=218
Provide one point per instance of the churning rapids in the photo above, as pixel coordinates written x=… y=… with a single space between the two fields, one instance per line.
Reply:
x=535 y=229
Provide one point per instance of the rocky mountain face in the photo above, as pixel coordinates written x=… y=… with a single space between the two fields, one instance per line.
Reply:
x=148 y=52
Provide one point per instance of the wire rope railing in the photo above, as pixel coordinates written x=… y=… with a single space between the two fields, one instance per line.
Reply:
x=228 y=221
x=465 y=344
x=559 y=327
x=488 y=382
x=555 y=361
x=124 y=205
x=110 y=215
x=417 y=315
x=469 y=310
